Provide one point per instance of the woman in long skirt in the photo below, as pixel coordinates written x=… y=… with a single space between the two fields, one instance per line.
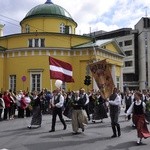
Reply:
x=36 y=112
x=100 y=109
x=79 y=119
x=138 y=109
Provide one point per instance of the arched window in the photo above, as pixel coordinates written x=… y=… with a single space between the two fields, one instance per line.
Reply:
x=62 y=28
x=27 y=28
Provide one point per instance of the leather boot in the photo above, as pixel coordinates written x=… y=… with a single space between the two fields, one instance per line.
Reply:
x=114 y=132
x=118 y=129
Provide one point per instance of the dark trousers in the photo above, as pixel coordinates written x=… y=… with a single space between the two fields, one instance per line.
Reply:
x=28 y=112
x=115 y=124
x=7 y=113
x=1 y=110
x=57 y=111
x=86 y=108
x=20 y=112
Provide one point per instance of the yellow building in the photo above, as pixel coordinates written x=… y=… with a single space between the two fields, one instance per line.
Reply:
x=49 y=30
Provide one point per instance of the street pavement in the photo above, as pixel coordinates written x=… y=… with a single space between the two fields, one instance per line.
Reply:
x=14 y=135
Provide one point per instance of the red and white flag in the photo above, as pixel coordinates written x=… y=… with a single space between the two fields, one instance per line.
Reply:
x=60 y=70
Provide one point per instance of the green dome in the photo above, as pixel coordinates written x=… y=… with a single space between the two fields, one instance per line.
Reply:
x=48 y=9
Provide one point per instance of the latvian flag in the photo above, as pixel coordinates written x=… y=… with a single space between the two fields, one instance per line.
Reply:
x=60 y=70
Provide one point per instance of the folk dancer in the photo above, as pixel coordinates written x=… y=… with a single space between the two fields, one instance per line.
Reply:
x=137 y=108
x=79 y=119
x=114 y=106
x=36 y=111
x=85 y=98
x=57 y=103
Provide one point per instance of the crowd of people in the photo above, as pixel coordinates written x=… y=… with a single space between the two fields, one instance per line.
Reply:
x=18 y=105
x=79 y=106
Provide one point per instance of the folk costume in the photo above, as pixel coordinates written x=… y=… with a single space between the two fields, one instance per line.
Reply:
x=36 y=112
x=79 y=117
x=57 y=103
x=68 y=105
x=138 y=108
x=114 y=105
x=128 y=102
x=85 y=99
x=100 y=111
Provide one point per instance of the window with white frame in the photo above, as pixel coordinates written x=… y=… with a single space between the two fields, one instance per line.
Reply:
x=35 y=81
x=30 y=43
x=27 y=28
x=62 y=28
x=12 y=82
x=36 y=42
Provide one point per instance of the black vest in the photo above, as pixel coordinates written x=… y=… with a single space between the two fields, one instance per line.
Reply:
x=138 y=109
x=56 y=100
x=128 y=100
x=113 y=108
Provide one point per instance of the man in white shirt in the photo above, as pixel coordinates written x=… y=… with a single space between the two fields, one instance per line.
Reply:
x=115 y=105
x=57 y=103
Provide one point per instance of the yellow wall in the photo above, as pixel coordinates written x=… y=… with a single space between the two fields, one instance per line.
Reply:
x=1 y=72
x=46 y=24
x=112 y=47
x=51 y=40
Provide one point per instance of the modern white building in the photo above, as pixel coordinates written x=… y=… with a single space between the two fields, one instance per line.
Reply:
x=136 y=45
x=143 y=28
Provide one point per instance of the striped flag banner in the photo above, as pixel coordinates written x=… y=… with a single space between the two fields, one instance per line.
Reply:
x=60 y=70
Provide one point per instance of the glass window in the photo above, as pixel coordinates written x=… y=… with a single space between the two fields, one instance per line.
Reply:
x=120 y=44
x=42 y=43
x=128 y=63
x=36 y=42
x=12 y=82
x=30 y=43
x=35 y=82
x=128 y=42
x=128 y=53
x=62 y=28
x=27 y=28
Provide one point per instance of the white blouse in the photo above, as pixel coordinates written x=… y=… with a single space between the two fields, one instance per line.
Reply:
x=130 y=110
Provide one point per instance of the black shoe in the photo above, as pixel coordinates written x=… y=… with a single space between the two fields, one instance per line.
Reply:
x=75 y=133
x=119 y=133
x=29 y=127
x=93 y=121
x=83 y=130
x=113 y=136
x=65 y=127
x=52 y=130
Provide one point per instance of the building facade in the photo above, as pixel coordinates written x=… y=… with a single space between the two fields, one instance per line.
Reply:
x=49 y=30
x=136 y=45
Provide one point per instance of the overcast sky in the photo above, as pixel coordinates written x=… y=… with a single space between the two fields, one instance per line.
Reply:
x=90 y=15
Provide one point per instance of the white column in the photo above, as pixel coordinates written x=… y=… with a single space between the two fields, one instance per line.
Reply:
x=1 y=29
x=113 y=72
x=95 y=87
x=121 y=79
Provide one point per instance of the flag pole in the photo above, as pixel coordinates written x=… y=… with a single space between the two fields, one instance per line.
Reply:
x=51 y=85
x=94 y=41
